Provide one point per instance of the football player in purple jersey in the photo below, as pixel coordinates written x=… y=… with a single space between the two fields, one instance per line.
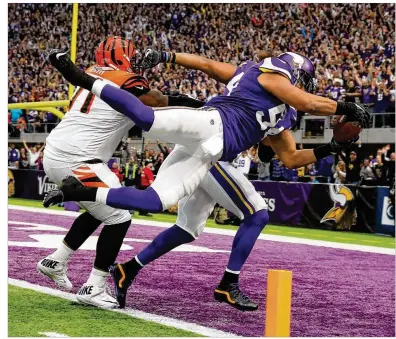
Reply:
x=259 y=101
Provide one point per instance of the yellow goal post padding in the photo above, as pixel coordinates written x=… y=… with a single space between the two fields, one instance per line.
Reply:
x=48 y=106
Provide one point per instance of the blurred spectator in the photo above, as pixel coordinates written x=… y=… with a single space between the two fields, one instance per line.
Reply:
x=16 y=113
x=13 y=156
x=40 y=166
x=313 y=179
x=146 y=175
x=242 y=163
x=114 y=168
x=352 y=93
x=311 y=170
x=164 y=149
x=33 y=155
x=146 y=179
x=253 y=171
x=158 y=162
x=336 y=92
x=276 y=169
x=131 y=173
x=23 y=160
x=324 y=167
x=388 y=159
x=352 y=168
x=263 y=171
x=290 y=174
x=340 y=173
x=366 y=171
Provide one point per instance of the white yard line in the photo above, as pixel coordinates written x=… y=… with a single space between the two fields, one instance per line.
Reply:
x=269 y=237
x=54 y=334
x=179 y=324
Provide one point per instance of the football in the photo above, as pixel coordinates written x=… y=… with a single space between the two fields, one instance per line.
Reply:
x=344 y=131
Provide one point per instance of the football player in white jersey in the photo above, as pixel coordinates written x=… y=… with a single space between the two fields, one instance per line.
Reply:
x=81 y=145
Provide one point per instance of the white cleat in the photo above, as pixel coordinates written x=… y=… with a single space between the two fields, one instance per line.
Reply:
x=55 y=270
x=96 y=295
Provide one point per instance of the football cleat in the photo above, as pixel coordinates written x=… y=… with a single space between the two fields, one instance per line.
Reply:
x=76 y=76
x=55 y=270
x=122 y=282
x=96 y=295
x=63 y=193
x=234 y=296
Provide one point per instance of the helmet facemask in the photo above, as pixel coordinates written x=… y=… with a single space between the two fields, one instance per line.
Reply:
x=305 y=80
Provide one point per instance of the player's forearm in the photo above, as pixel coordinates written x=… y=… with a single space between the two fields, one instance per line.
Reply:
x=217 y=70
x=321 y=106
x=298 y=159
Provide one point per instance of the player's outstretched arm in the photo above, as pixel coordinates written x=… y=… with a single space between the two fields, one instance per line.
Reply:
x=284 y=146
x=220 y=71
x=155 y=98
x=281 y=87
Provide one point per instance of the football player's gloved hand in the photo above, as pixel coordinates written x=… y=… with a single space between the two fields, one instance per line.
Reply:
x=338 y=147
x=354 y=112
x=152 y=58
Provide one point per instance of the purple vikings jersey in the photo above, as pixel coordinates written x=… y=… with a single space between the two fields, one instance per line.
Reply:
x=249 y=113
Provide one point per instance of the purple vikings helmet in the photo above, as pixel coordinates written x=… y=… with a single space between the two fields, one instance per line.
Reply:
x=303 y=70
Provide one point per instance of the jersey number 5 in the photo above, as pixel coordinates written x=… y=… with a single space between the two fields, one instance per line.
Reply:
x=275 y=114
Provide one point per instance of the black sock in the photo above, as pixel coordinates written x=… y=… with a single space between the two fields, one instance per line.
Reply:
x=109 y=244
x=81 y=229
x=229 y=278
x=79 y=193
x=132 y=267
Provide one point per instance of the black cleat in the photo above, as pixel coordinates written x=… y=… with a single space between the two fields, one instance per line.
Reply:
x=63 y=193
x=122 y=282
x=234 y=296
x=61 y=61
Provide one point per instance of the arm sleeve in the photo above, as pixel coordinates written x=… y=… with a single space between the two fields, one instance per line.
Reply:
x=185 y=101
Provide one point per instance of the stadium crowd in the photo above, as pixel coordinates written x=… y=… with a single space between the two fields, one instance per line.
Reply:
x=351 y=168
x=351 y=45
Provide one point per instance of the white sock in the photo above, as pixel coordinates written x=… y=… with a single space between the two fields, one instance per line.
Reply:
x=97 y=87
x=101 y=195
x=97 y=277
x=63 y=253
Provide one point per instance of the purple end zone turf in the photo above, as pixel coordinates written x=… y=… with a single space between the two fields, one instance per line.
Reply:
x=335 y=292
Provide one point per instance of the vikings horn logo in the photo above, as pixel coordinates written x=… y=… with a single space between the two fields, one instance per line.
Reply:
x=341 y=195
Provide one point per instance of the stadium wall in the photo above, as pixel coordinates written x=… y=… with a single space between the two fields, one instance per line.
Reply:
x=320 y=206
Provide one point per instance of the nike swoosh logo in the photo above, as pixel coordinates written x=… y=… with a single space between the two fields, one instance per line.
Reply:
x=58 y=55
x=111 y=302
x=139 y=87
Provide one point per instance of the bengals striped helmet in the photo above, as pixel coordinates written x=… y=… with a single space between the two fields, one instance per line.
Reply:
x=117 y=53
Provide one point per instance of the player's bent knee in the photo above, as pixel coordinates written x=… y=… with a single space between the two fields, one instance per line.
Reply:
x=260 y=218
x=117 y=217
x=188 y=236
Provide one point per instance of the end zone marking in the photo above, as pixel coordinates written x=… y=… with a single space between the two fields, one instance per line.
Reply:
x=269 y=237
x=179 y=324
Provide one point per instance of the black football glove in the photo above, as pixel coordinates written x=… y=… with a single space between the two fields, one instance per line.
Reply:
x=338 y=147
x=152 y=58
x=354 y=112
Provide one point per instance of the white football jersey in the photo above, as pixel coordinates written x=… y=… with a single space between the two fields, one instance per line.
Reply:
x=91 y=129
